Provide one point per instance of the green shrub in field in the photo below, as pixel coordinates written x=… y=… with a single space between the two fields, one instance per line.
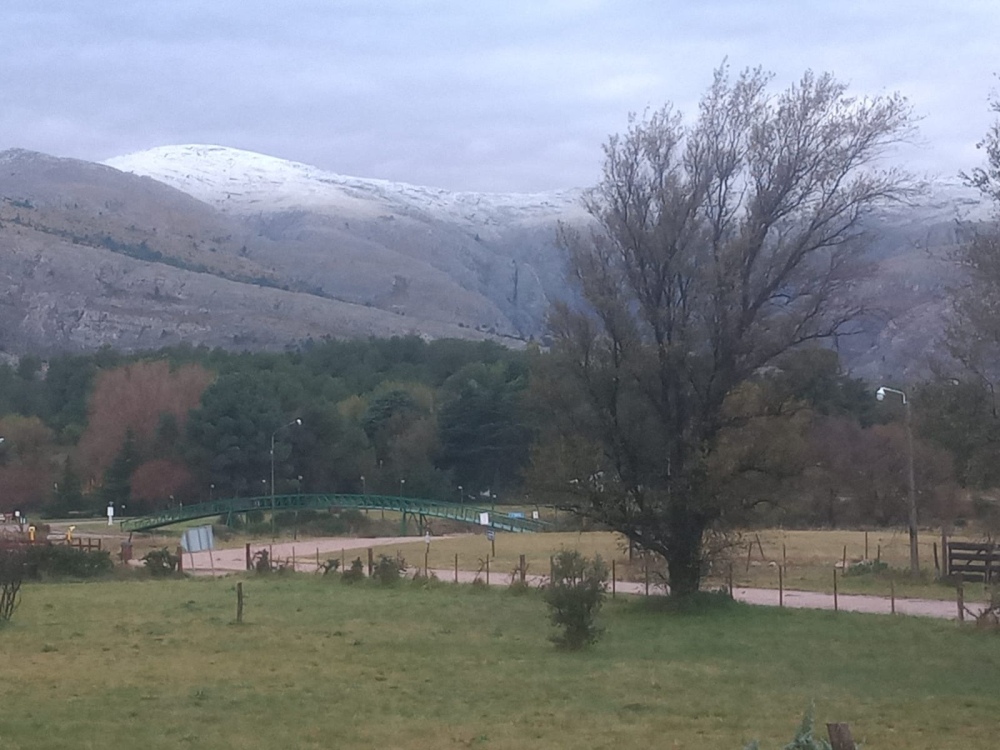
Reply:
x=161 y=562
x=388 y=569
x=56 y=560
x=804 y=738
x=866 y=567
x=575 y=596
x=354 y=573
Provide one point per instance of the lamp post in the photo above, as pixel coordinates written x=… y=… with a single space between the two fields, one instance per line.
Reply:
x=461 y=499
x=402 y=483
x=296 y=422
x=914 y=553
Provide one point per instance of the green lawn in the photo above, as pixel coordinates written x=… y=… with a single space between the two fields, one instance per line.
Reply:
x=318 y=664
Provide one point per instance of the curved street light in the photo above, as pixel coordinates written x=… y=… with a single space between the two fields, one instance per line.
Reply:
x=295 y=422
x=914 y=552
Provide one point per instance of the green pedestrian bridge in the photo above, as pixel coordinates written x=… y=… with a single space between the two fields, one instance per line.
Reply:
x=417 y=509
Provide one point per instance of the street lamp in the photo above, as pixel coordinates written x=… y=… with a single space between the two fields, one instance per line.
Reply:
x=914 y=554
x=461 y=499
x=296 y=422
x=402 y=483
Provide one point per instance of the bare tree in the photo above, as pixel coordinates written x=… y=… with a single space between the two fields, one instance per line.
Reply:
x=718 y=246
x=12 y=563
x=973 y=334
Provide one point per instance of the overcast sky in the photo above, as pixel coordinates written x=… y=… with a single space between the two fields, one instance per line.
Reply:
x=505 y=95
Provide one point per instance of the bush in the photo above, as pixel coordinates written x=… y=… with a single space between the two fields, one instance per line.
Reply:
x=12 y=564
x=866 y=567
x=575 y=596
x=804 y=738
x=355 y=573
x=388 y=569
x=161 y=562
x=332 y=565
x=56 y=560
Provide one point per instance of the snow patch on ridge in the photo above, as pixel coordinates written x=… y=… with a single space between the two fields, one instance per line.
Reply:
x=245 y=182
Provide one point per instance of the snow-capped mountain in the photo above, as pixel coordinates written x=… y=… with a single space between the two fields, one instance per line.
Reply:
x=245 y=182
x=486 y=261
x=217 y=246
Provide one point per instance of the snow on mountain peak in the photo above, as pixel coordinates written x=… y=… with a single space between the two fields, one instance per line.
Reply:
x=245 y=182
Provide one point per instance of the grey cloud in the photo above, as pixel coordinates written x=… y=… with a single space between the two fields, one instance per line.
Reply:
x=511 y=96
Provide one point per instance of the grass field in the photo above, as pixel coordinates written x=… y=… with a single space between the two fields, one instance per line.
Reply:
x=318 y=664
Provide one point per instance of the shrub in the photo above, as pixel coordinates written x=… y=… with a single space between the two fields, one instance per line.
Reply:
x=388 y=569
x=355 y=573
x=12 y=564
x=332 y=565
x=804 y=738
x=866 y=567
x=161 y=562
x=575 y=596
x=56 y=560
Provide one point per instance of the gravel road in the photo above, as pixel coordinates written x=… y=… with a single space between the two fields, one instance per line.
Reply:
x=304 y=553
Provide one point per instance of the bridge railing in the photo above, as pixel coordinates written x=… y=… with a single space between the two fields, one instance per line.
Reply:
x=409 y=506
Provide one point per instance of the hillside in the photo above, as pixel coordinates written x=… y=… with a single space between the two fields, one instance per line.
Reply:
x=222 y=247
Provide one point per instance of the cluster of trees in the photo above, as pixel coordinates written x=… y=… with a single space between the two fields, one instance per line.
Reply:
x=186 y=425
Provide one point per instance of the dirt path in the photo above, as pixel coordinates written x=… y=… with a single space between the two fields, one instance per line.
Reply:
x=305 y=554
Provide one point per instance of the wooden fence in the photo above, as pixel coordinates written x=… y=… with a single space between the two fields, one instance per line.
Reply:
x=973 y=561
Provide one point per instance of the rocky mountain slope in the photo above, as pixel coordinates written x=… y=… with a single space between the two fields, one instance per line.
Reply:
x=216 y=246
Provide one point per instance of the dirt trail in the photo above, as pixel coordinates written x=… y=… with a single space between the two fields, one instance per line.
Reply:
x=223 y=561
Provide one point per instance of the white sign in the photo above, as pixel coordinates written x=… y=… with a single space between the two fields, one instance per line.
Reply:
x=198 y=539
x=534 y=514
x=111 y=514
x=484 y=519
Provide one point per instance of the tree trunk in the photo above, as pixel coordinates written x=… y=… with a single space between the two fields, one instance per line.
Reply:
x=684 y=563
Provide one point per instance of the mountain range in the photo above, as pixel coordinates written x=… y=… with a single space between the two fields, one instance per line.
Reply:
x=222 y=247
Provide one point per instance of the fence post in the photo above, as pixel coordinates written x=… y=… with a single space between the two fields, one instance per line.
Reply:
x=180 y=559
x=645 y=565
x=960 y=599
x=866 y=545
x=840 y=736
x=487 y=571
x=613 y=577
x=781 y=587
x=239 y=602
x=836 y=604
x=371 y=562
x=456 y=567
x=732 y=591
x=944 y=553
x=521 y=566
x=249 y=558
x=892 y=595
